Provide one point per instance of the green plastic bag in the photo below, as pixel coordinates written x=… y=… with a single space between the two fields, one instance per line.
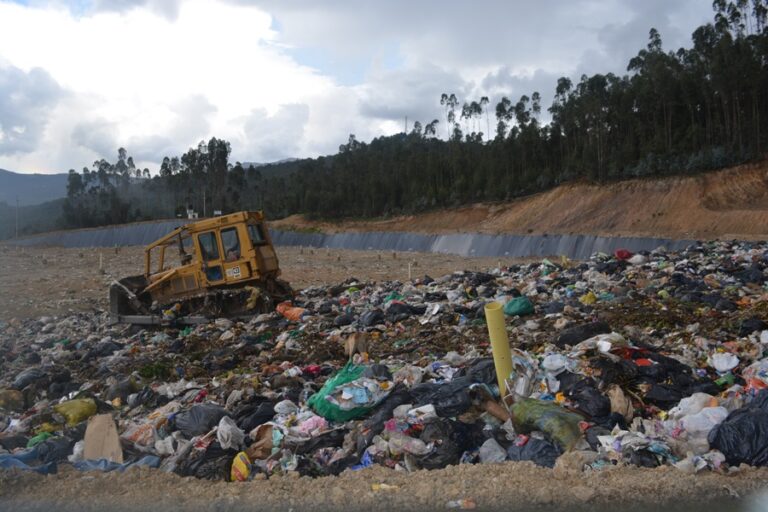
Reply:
x=39 y=438
x=560 y=425
x=76 y=411
x=519 y=306
x=331 y=411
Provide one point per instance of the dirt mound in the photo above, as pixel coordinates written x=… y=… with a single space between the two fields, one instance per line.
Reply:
x=732 y=203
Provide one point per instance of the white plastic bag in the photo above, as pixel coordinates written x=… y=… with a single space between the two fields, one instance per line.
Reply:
x=229 y=435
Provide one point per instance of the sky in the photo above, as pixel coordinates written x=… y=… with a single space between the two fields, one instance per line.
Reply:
x=288 y=78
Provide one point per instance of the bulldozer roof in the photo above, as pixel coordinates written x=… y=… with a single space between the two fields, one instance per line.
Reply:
x=207 y=225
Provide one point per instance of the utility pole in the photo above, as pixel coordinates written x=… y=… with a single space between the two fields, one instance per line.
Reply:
x=17 y=216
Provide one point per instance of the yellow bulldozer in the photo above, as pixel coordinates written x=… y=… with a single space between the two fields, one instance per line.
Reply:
x=225 y=266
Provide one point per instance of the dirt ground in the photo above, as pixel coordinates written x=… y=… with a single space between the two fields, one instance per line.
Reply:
x=510 y=486
x=50 y=281
x=727 y=204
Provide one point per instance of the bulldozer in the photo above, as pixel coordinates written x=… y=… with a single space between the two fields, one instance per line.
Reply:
x=226 y=267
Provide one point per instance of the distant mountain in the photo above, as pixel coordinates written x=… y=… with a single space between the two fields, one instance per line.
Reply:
x=262 y=164
x=31 y=188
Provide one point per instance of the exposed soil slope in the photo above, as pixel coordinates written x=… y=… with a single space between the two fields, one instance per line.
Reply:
x=732 y=203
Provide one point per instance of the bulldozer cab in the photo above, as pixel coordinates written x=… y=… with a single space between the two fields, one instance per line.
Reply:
x=227 y=252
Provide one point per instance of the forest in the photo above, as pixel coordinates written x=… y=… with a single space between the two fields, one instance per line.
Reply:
x=673 y=112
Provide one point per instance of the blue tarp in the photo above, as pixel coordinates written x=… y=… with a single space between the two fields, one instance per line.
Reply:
x=463 y=244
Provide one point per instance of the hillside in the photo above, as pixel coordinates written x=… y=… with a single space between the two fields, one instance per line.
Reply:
x=731 y=203
x=31 y=188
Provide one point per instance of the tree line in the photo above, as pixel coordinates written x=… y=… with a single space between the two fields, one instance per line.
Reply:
x=673 y=112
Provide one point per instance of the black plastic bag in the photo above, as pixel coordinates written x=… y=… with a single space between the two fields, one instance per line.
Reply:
x=644 y=459
x=751 y=325
x=664 y=395
x=213 y=464
x=378 y=372
x=343 y=319
x=397 y=312
x=27 y=377
x=371 y=318
x=743 y=436
x=577 y=334
x=450 y=399
x=332 y=438
x=551 y=308
x=751 y=275
x=483 y=371
x=250 y=415
x=538 y=451
x=446 y=450
x=55 y=449
x=199 y=420
x=589 y=400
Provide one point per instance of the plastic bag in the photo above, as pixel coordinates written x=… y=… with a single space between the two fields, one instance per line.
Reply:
x=575 y=335
x=199 y=420
x=446 y=450
x=400 y=443
x=143 y=435
x=699 y=426
x=692 y=405
x=331 y=411
x=228 y=434
x=55 y=449
x=491 y=452
x=450 y=399
x=519 y=306
x=39 y=438
x=77 y=452
x=8 y=462
x=743 y=436
x=254 y=413
x=150 y=461
x=76 y=411
x=560 y=425
x=589 y=400
x=290 y=312
x=359 y=393
x=27 y=377
x=538 y=451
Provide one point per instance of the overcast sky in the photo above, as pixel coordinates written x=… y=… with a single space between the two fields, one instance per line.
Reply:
x=287 y=78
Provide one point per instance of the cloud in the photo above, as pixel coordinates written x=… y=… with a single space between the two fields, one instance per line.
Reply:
x=26 y=101
x=412 y=92
x=504 y=82
x=98 y=135
x=166 y=8
x=289 y=79
x=274 y=137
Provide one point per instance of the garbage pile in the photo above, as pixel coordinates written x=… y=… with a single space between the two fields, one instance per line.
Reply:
x=642 y=359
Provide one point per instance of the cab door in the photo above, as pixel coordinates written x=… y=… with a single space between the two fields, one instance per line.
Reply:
x=211 y=258
x=235 y=261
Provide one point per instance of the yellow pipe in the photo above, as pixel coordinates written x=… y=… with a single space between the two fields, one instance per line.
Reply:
x=497 y=330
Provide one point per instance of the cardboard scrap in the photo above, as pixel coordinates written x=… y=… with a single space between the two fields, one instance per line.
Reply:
x=101 y=440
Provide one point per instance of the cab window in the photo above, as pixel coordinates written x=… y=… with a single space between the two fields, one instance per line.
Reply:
x=256 y=232
x=208 y=246
x=231 y=244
